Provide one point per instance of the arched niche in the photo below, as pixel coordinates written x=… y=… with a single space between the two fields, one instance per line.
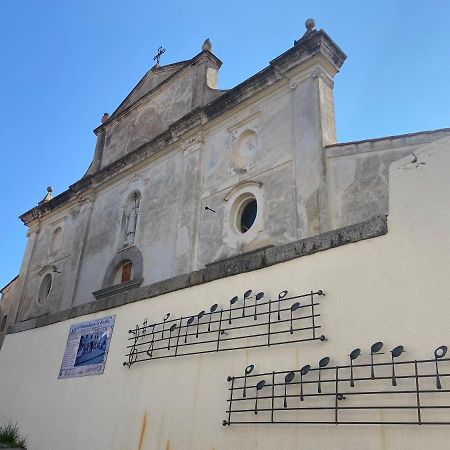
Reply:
x=56 y=241
x=245 y=150
x=112 y=281
x=130 y=218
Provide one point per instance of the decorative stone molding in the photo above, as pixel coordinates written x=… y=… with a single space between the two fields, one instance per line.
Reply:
x=236 y=199
x=118 y=288
x=324 y=77
x=313 y=72
x=241 y=185
x=86 y=201
x=250 y=122
x=48 y=268
x=193 y=143
x=245 y=143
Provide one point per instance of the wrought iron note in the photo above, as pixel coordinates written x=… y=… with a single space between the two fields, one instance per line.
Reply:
x=396 y=391
x=252 y=320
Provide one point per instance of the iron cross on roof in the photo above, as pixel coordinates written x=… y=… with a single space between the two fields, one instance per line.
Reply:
x=158 y=55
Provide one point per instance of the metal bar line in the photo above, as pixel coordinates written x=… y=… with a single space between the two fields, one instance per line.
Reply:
x=419 y=418
x=336 y=401
x=312 y=314
x=273 y=395
x=230 y=400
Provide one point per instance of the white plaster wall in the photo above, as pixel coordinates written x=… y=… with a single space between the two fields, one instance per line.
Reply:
x=392 y=288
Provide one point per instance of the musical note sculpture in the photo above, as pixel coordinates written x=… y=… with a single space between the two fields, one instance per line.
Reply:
x=439 y=353
x=250 y=321
x=374 y=349
x=395 y=353
x=353 y=355
x=303 y=371
x=403 y=392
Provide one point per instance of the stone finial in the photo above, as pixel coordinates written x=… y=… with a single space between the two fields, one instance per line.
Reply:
x=105 y=117
x=207 y=45
x=310 y=25
x=48 y=196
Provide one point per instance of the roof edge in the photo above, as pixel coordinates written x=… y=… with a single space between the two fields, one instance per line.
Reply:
x=395 y=136
x=8 y=284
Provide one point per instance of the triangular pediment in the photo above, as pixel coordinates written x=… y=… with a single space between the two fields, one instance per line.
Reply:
x=155 y=76
x=162 y=96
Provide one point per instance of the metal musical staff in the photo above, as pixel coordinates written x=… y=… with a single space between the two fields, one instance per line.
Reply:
x=252 y=320
x=402 y=392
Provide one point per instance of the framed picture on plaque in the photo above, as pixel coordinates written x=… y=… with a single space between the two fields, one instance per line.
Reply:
x=87 y=348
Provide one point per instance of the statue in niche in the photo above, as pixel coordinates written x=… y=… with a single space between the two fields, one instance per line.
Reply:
x=130 y=219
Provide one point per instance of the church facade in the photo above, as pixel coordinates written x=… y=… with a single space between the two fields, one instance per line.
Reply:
x=196 y=195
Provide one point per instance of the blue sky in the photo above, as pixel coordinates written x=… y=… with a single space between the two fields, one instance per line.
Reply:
x=63 y=64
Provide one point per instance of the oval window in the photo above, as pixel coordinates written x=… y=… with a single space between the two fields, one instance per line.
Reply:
x=44 y=290
x=247 y=216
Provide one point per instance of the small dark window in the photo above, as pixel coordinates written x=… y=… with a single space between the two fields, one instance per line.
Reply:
x=126 y=272
x=248 y=215
x=2 y=326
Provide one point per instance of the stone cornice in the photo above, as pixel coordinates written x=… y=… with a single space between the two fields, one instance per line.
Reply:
x=316 y=43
